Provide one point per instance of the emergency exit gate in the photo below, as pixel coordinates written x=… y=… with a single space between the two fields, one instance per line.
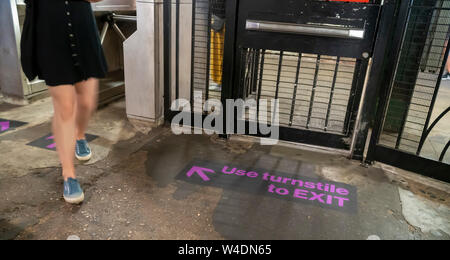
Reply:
x=411 y=129
x=310 y=55
x=327 y=62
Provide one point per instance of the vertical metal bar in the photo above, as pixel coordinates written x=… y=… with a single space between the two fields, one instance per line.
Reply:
x=294 y=95
x=332 y=92
x=280 y=65
x=248 y=71
x=255 y=72
x=313 y=91
x=208 y=49
x=243 y=75
x=352 y=98
x=357 y=145
x=230 y=60
x=167 y=58
x=441 y=158
x=433 y=102
x=194 y=7
x=177 y=51
x=261 y=72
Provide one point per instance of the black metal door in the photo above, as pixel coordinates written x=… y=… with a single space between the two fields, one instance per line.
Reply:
x=312 y=56
x=412 y=130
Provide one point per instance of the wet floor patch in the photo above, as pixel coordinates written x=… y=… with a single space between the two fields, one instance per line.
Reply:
x=245 y=211
x=9 y=231
x=48 y=141
x=137 y=193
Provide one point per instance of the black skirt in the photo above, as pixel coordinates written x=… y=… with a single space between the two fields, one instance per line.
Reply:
x=67 y=42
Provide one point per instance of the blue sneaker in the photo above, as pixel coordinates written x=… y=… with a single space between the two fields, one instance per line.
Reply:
x=73 y=193
x=446 y=76
x=82 y=150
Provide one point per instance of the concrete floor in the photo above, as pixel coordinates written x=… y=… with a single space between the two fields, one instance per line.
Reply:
x=134 y=190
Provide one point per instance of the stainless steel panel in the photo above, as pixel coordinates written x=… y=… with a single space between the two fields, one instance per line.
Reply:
x=328 y=31
x=10 y=73
x=114 y=5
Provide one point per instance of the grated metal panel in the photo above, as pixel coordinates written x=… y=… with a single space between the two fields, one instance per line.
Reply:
x=314 y=91
x=412 y=108
x=208 y=46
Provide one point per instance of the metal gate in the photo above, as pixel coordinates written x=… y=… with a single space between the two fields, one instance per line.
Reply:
x=189 y=50
x=413 y=121
x=310 y=55
x=363 y=77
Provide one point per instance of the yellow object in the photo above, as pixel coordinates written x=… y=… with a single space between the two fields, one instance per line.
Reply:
x=216 y=60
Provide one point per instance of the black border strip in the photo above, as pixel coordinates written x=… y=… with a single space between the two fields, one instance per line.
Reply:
x=411 y=162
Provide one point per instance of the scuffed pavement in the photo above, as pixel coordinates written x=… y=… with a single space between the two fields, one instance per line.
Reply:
x=132 y=191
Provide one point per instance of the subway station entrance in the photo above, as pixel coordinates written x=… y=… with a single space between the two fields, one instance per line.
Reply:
x=343 y=73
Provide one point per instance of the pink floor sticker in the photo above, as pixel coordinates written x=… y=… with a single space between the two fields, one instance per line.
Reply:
x=48 y=142
x=295 y=188
x=8 y=125
x=4 y=126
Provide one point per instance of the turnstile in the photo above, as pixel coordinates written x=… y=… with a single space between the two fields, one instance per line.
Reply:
x=117 y=21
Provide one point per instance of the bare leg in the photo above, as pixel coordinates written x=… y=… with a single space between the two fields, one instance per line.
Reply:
x=87 y=98
x=448 y=64
x=64 y=100
x=448 y=58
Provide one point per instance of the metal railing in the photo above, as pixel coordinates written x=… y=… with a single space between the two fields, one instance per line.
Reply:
x=408 y=125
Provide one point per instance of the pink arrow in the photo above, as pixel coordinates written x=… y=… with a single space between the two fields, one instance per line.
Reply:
x=4 y=126
x=52 y=146
x=200 y=171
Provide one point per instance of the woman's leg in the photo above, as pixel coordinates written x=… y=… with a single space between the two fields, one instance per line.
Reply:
x=64 y=100
x=87 y=97
x=448 y=63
